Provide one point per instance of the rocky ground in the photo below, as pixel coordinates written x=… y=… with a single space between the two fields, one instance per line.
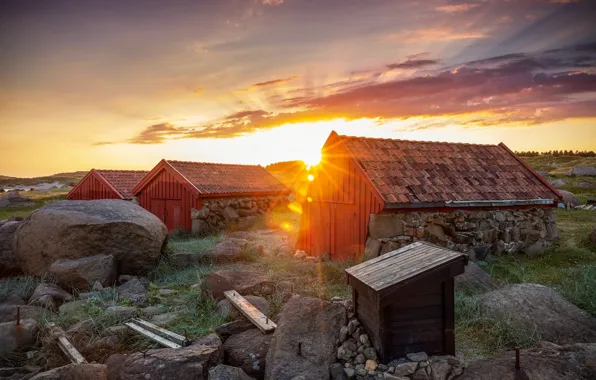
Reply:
x=89 y=290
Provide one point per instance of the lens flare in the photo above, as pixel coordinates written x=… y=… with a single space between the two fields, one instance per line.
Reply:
x=311 y=177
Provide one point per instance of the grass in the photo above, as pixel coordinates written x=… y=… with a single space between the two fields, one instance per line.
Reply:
x=22 y=285
x=558 y=165
x=39 y=198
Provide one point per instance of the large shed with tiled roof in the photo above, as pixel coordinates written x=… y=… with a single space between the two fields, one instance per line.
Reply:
x=372 y=196
x=106 y=184
x=203 y=196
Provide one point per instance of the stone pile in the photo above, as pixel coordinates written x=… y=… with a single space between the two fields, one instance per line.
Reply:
x=232 y=212
x=357 y=359
x=477 y=233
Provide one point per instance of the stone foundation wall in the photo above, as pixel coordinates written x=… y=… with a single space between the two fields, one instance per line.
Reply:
x=477 y=233
x=241 y=212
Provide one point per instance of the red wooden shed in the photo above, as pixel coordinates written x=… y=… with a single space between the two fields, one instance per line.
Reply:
x=361 y=176
x=173 y=188
x=106 y=184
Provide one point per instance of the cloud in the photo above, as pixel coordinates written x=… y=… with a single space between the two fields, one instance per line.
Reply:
x=437 y=34
x=270 y=2
x=413 y=64
x=509 y=89
x=456 y=8
x=274 y=82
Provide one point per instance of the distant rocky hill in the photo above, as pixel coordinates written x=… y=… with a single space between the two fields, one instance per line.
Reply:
x=61 y=178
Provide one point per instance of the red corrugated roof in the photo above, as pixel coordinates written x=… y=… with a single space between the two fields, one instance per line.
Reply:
x=123 y=180
x=406 y=172
x=211 y=178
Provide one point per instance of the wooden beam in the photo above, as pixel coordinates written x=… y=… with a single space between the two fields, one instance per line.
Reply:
x=252 y=313
x=177 y=338
x=69 y=350
x=154 y=337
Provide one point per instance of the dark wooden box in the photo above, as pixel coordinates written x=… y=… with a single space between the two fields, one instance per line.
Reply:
x=404 y=299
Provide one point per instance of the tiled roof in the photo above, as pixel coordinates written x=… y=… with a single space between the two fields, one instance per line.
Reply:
x=406 y=172
x=123 y=180
x=210 y=178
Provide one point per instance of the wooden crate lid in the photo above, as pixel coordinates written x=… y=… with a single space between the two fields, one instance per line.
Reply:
x=403 y=264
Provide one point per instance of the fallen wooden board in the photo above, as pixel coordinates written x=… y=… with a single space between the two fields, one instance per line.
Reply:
x=252 y=313
x=154 y=337
x=177 y=338
x=69 y=350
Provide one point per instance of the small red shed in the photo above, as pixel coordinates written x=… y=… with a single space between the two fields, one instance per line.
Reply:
x=173 y=188
x=361 y=176
x=106 y=184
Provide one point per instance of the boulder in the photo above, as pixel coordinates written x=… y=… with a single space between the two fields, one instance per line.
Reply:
x=475 y=278
x=573 y=362
x=225 y=372
x=248 y=350
x=224 y=307
x=8 y=262
x=243 y=281
x=558 y=183
x=121 y=313
x=133 y=290
x=569 y=198
x=371 y=248
x=200 y=227
x=231 y=328
x=17 y=337
x=230 y=213
x=586 y=185
x=227 y=251
x=542 y=174
x=187 y=363
x=385 y=225
x=542 y=310
x=8 y=312
x=76 y=229
x=49 y=296
x=81 y=274
x=75 y=372
x=580 y=171
x=14 y=199
x=305 y=341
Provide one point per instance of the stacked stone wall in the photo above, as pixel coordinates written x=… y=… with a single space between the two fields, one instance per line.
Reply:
x=222 y=213
x=477 y=233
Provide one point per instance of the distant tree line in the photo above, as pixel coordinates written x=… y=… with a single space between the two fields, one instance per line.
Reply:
x=556 y=153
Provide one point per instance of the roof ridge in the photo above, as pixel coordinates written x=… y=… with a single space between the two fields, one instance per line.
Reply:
x=122 y=170
x=413 y=141
x=212 y=163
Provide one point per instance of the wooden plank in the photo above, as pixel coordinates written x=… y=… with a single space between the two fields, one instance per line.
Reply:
x=69 y=350
x=252 y=313
x=154 y=337
x=177 y=338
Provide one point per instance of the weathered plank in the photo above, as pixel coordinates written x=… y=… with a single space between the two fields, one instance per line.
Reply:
x=177 y=338
x=69 y=350
x=252 y=313
x=154 y=337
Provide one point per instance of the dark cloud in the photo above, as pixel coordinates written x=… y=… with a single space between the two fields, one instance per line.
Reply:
x=413 y=64
x=512 y=88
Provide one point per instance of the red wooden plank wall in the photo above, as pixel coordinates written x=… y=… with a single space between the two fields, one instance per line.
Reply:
x=336 y=220
x=166 y=187
x=92 y=188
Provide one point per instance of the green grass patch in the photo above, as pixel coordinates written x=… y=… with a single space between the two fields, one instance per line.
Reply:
x=20 y=285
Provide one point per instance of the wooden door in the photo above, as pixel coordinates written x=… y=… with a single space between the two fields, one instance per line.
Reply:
x=343 y=234
x=158 y=208
x=173 y=211
x=320 y=224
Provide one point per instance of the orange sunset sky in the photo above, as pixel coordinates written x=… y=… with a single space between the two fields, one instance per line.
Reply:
x=121 y=84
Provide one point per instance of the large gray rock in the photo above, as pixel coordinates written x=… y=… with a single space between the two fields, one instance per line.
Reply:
x=574 y=362
x=569 y=198
x=475 y=278
x=305 y=341
x=14 y=199
x=187 y=363
x=8 y=312
x=558 y=183
x=49 y=296
x=75 y=372
x=8 y=261
x=248 y=350
x=235 y=327
x=17 y=337
x=586 y=185
x=133 y=290
x=371 y=248
x=385 y=225
x=582 y=171
x=225 y=372
x=82 y=273
x=242 y=281
x=542 y=310
x=75 y=229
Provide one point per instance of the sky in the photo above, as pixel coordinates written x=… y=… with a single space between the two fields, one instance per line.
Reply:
x=122 y=84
